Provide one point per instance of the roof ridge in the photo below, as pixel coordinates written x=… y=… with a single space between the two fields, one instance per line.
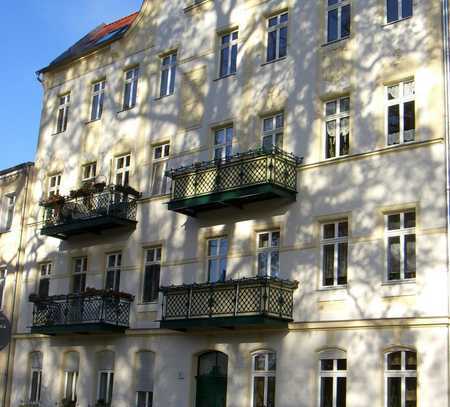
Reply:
x=121 y=19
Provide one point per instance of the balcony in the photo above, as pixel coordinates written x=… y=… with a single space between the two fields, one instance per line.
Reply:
x=256 y=175
x=250 y=302
x=91 y=209
x=94 y=311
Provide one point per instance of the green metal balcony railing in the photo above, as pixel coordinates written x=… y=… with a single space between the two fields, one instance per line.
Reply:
x=253 y=301
x=252 y=176
x=89 y=213
x=81 y=313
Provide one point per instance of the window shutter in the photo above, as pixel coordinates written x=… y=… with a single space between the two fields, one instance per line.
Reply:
x=144 y=371
x=72 y=362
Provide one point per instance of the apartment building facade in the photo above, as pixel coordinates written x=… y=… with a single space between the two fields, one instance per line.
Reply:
x=241 y=203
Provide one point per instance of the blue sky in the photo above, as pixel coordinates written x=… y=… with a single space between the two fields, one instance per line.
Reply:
x=34 y=33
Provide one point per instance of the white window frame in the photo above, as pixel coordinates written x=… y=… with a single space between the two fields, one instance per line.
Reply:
x=337 y=117
x=133 y=82
x=400 y=12
x=8 y=203
x=115 y=269
x=83 y=271
x=275 y=130
x=171 y=69
x=91 y=170
x=63 y=112
x=225 y=145
x=217 y=258
x=277 y=27
x=39 y=385
x=156 y=259
x=108 y=382
x=400 y=100
x=122 y=174
x=266 y=373
x=269 y=250
x=73 y=396
x=335 y=241
x=233 y=42
x=97 y=93
x=3 y=276
x=339 y=5
x=163 y=150
x=54 y=188
x=402 y=374
x=402 y=233
x=334 y=374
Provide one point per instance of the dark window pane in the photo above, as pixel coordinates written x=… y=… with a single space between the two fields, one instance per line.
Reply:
x=326 y=392
x=164 y=79
x=410 y=360
x=410 y=256
x=407 y=8
x=126 y=96
x=271 y=391
x=141 y=398
x=394 y=222
x=111 y=383
x=331 y=139
x=409 y=121
x=328 y=265
x=224 y=62
x=110 y=280
x=271 y=45
x=341 y=392
x=394 y=258
x=326 y=364
x=134 y=94
x=233 y=62
x=342 y=364
x=343 y=229
x=345 y=21
x=410 y=220
x=392 y=10
x=342 y=263
x=258 y=392
x=44 y=285
x=394 y=388
x=394 y=361
x=411 y=392
x=283 y=42
x=151 y=283
x=172 y=79
x=394 y=120
x=332 y=25
x=328 y=231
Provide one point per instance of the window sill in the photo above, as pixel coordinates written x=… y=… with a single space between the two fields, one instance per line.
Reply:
x=89 y=122
x=274 y=61
x=147 y=306
x=337 y=158
x=126 y=110
x=333 y=288
x=164 y=96
x=409 y=281
x=231 y=75
x=396 y=21
x=339 y=41
x=59 y=132
x=400 y=144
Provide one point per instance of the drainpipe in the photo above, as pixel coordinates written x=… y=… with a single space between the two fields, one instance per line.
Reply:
x=446 y=57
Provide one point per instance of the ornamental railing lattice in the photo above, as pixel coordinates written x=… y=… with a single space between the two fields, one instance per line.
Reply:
x=255 y=167
x=258 y=296
x=80 y=309
x=110 y=202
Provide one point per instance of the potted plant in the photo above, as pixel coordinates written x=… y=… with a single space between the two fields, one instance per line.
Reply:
x=53 y=201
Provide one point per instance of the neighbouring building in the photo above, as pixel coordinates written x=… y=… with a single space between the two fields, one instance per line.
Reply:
x=241 y=203
x=14 y=188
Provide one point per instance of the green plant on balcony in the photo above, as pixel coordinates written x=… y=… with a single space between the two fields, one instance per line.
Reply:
x=87 y=189
x=52 y=202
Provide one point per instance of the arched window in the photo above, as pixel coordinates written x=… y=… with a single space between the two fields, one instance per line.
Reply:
x=105 y=366
x=71 y=369
x=145 y=362
x=332 y=378
x=212 y=377
x=35 y=377
x=401 y=378
x=264 y=365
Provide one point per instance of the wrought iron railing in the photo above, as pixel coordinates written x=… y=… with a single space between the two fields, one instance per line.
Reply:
x=255 y=167
x=111 y=202
x=79 y=309
x=258 y=296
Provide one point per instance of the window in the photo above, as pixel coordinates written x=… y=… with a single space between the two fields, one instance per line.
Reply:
x=228 y=53
x=168 y=72
x=268 y=253
x=334 y=248
x=160 y=183
x=79 y=274
x=277 y=36
x=401 y=245
x=54 y=183
x=273 y=131
x=401 y=116
x=7 y=212
x=263 y=376
x=337 y=127
x=113 y=265
x=3 y=274
x=401 y=379
x=122 y=169
x=105 y=363
x=223 y=143
x=35 y=377
x=71 y=368
x=333 y=379
x=217 y=259
x=63 y=113
x=398 y=10
x=45 y=270
x=130 y=89
x=144 y=383
x=338 y=20
x=98 y=95
x=152 y=269
x=89 y=172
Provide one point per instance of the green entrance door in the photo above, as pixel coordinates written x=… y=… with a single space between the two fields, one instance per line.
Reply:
x=212 y=380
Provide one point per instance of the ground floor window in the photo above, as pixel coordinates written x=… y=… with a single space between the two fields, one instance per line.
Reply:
x=263 y=377
x=333 y=378
x=401 y=378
